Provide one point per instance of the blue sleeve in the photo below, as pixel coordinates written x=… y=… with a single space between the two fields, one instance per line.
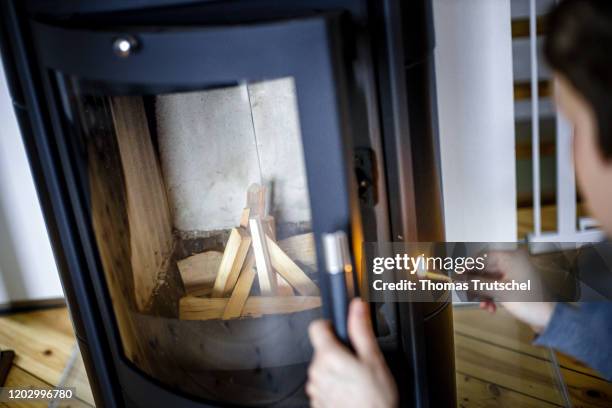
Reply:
x=583 y=331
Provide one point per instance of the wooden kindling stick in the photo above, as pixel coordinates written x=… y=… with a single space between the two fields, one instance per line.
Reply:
x=236 y=302
x=251 y=251
x=196 y=308
x=234 y=255
x=265 y=273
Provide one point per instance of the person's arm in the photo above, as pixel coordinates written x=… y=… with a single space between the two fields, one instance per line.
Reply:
x=583 y=331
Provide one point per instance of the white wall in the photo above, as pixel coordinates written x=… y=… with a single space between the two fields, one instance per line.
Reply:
x=215 y=143
x=27 y=267
x=475 y=101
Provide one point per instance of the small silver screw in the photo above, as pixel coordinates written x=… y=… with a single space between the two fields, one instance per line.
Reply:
x=124 y=46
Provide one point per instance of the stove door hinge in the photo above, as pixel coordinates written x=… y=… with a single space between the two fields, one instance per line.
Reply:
x=365 y=173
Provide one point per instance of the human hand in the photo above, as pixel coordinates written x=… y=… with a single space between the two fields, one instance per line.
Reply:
x=535 y=314
x=509 y=265
x=339 y=378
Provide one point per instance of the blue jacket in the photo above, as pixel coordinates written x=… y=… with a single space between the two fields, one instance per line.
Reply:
x=583 y=331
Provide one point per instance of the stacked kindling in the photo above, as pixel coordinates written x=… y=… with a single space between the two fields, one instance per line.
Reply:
x=251 y=252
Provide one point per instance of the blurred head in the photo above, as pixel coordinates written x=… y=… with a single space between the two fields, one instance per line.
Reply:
x=579 y=50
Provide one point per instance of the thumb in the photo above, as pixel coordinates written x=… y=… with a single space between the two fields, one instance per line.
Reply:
x=322 y=335
x=360 y=331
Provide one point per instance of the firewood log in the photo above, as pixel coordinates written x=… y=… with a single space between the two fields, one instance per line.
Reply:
x=197 y=308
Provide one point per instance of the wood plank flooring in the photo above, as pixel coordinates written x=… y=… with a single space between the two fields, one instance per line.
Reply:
x=496 y=364
x=498 y=367
x=43 y=342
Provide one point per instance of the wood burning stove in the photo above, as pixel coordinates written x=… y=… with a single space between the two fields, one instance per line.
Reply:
x=190 y=155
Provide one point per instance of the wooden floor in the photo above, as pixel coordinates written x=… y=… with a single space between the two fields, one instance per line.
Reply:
x=496 y=364
x=43 y=342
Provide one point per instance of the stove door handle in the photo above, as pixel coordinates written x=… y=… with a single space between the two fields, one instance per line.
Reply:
x=339 y=268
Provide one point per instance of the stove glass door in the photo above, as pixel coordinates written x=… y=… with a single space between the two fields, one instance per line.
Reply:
x=201 y=212
x=209 y=179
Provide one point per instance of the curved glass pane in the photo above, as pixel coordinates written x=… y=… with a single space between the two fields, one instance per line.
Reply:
x=201 y=214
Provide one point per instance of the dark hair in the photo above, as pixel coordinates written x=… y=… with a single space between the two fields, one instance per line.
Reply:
x=579 y=46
